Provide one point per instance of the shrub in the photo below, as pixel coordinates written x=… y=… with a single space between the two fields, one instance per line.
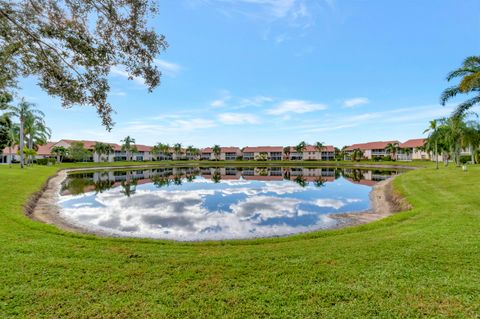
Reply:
x=465 y=159
x=46 y=161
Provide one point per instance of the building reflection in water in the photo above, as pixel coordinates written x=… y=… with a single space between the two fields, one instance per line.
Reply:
x=200 y=203
x=100 y=181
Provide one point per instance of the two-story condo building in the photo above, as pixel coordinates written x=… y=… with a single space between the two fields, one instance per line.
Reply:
x=370 y=150
x=270 y=153
x=412 y=150
x=311 y=153
x=226 y=154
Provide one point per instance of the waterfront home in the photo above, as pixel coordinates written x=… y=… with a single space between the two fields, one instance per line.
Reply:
x=370 y=150
x=312 y=153
x=11 y=154
x=266 y=153
x=142 y=153
x=226 y=154
x=412 y=150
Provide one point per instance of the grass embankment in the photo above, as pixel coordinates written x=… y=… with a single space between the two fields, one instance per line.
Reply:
x=424 y=262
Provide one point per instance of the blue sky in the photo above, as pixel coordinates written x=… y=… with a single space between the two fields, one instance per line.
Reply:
x=275 y=72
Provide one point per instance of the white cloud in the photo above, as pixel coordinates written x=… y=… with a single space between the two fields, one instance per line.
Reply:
x=296 y=106
x=120 y=71
x=222 y=101
x=255 y=101
x=172 y=126
x=396 y=116
x=238 y=118
x=355 y=102
x=168 y=68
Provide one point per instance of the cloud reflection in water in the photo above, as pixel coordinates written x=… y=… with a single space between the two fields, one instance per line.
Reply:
x=202 y=210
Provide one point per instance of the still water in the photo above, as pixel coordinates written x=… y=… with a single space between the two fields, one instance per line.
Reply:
x=208 y=203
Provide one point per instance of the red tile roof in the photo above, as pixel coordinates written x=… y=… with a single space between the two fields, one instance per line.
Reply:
x=143 y=148
x=371 y=146
x=230 y=149
x=45 y=149
x=418 y=142
x=312 y=148
x=6 y=150
x=262 y=149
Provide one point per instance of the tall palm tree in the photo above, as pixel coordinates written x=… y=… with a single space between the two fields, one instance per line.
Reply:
x=60 y=152
x=471 y=138
x=24 y=111
x=469 y=83
x=319 y=146
x=216 y=149
x=177 y=148
x=165 y=149
x=453 y=134
x=433 y=137
x=286 y=151
x=357 y=154
x=102 y=149
x=128 y=146
x=36 y=132
x=300 y=147
x=392 y=149
x=13 y=138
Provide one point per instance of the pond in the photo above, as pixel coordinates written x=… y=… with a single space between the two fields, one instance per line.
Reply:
x=212 y=203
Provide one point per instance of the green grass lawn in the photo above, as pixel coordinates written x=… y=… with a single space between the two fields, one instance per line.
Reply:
x=420 y=263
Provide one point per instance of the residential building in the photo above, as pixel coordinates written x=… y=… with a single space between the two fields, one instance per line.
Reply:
x=270 y=153
x=370 y=150
x=226 y=154
x=9 y=154
x=412 y=150
x=311 y=153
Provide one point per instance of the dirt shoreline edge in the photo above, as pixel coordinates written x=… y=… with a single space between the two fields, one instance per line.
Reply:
x=42 y=205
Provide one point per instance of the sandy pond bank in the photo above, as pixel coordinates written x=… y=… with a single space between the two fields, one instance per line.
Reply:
x=43 y=206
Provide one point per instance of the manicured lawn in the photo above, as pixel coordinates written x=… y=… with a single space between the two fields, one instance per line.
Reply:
x=420 y=263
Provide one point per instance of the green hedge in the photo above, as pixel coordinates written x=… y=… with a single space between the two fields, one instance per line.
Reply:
x=46 y=161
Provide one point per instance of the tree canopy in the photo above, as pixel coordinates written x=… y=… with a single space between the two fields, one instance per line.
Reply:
x=71 y=46
x=469 y=83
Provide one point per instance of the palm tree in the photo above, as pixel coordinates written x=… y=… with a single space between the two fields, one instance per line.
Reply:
x=23 y=111
x=192 y=151
x=319 y=182
x=357 y=154
x=286 y=151
x=196 y=152
x=102 y=149
x=392 y=149
x=301 y=147
x=12 y=138
x=60 y=152
x=36 y=131
x=216 y=149
x=471 y=138
x=453 y=134
x=128 y=146
x=177 y=148
x=469 y=83
x=319 y=146
x=161 y=150
x=433 y=137
x=165 y=149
